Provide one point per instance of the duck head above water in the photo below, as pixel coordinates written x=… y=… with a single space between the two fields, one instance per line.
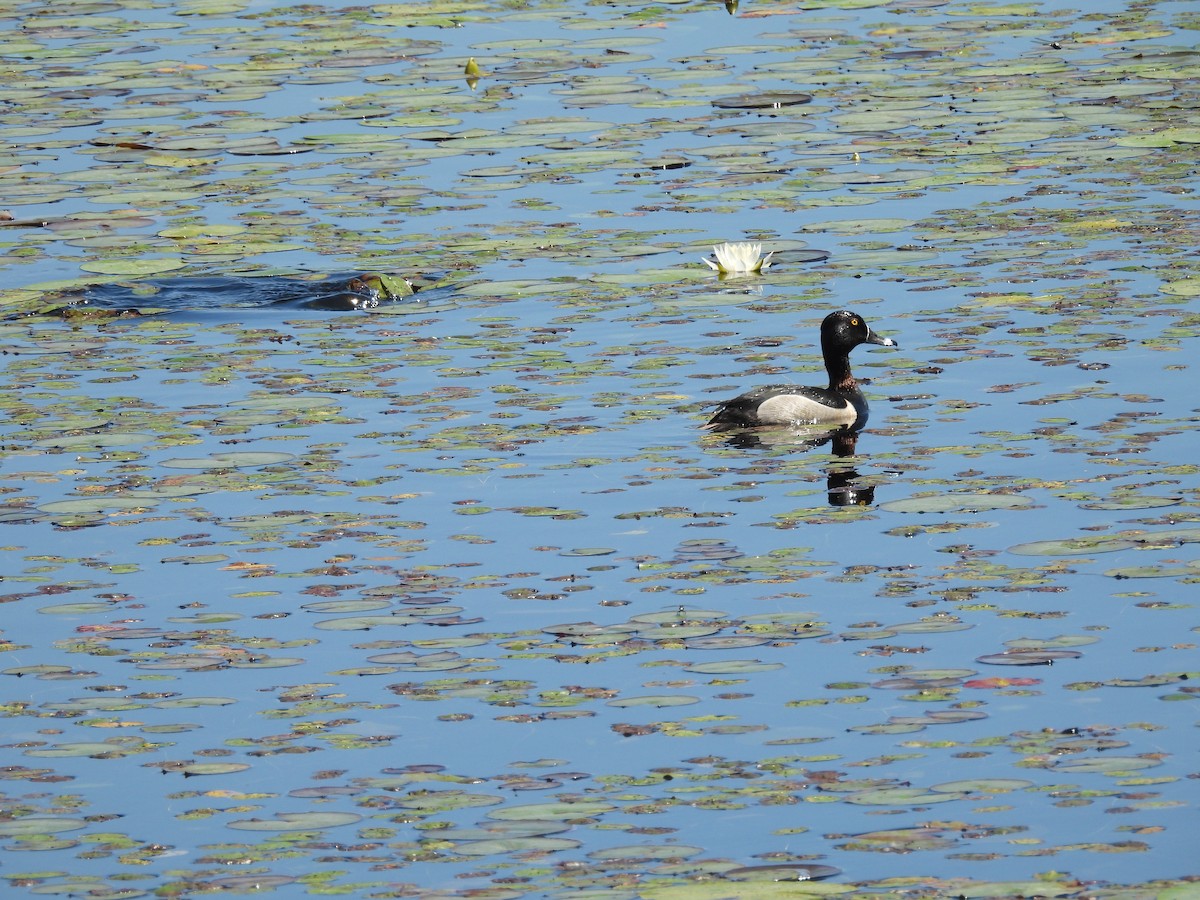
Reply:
x=841 y=405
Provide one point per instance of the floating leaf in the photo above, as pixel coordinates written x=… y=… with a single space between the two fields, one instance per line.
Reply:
x=781 y=872
x=733 y=667
x=584 y=809
x=983 y=785
x=27 y=826
x=363 y=623
x=1105 y=765
x=766 y=100
x=230 y=460
x=105 y=440
x=902 y=796
x=725 y=642
x=1074 y=546
x=1030 y=657
x=657 y=701
x=285 y=822
x=212 y=768
x=90 y=506
x=957 y=503
x=1152 y=571
x=516 y=845
x=133 y=266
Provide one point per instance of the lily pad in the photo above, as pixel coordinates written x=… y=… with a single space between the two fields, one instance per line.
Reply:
x=234 y=459
x=1031 y=657
x=781 y=872
x=584 y=809
x=659 y=702
x=91 y=506
x=983 y=785
x=733 y=667
x=213 y=768
x=496 y=846
x=1081 y=546
x=957 y=503
x=103 y=440
x=134 y=266
x=903 y=796
x=27 y=826
x=286 y=822
x=1105 y=765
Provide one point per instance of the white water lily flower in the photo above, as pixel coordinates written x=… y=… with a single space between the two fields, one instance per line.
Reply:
x=739 y=258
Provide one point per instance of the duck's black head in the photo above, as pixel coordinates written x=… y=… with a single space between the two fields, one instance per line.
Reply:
x=842 y=331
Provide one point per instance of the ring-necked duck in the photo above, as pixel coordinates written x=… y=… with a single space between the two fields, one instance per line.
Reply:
x=840 y=404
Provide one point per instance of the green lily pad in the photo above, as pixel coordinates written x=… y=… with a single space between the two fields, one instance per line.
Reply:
x=26 y=826
x=931 y=626
x=1105 y=765
x=1132 y=501
x=859 y=226
x=733 y=667
x=902 y=796
x=675 y=632
x=75 y=609
x=95 y=749
x=91 y=505
x=37 y=669
x=496 y=846
x=363 y=623
x=345 y=606
x=983 y=785
x=193 y=702
x=659 y=701
x=296 y=821
x=584 y=809
x=267 y=662
x=679 y=617
x=888 y=728
x=134 y=266
x=781 y=873
x=444 y=801
x=1152 y=571
x=184 y=663
x=1081 y=546
x=269 y=521
x=978 y=890
x=104 y=440
x=957 y=503
x=726 y=642
x=234 y=459
x=213 y=768
x=1028 y=657
x=1054 y=643
x=169 y=491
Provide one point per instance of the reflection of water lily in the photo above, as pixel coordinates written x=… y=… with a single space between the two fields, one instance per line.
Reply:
x=739 y=258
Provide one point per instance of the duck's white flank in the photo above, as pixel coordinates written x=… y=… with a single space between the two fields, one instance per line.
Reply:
x=797 y=409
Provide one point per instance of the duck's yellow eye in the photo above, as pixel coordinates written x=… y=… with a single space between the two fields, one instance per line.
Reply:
x=854 y=321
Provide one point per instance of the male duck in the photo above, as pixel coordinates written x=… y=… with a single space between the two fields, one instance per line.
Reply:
x=841 y=404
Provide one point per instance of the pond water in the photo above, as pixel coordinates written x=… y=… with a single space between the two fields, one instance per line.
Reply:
x=452 y=596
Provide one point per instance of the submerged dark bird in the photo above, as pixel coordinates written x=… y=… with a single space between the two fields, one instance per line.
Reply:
x=841 y=404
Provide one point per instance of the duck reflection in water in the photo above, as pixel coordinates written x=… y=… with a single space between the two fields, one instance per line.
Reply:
x=811 y=416
x=842 y=480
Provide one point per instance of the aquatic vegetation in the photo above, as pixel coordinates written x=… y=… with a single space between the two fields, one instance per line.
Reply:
x=451 y=596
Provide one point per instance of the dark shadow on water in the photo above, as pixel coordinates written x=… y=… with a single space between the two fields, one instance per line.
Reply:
x=329 y=293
